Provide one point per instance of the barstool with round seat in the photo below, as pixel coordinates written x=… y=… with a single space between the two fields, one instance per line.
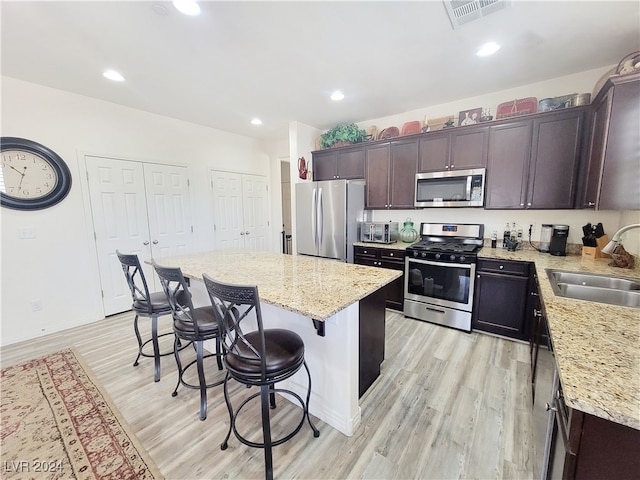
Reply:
x=259 y=357
x=195 y=325
x=145 y=304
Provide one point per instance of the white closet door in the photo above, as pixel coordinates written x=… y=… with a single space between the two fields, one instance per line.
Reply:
x=255 y=205
x=169 y=211
x=119 y=209
x=140 y=208
x=227 y=210
x=240 y=209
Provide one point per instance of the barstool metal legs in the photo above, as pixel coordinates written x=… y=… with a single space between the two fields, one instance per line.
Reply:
x=266 y=393
x=156 y=348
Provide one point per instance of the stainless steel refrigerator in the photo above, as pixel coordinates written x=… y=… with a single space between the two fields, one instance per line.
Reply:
x=327 y=216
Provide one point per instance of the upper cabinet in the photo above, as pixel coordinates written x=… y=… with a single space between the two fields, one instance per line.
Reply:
x=533 y=162
x=611 y=178
x=333 y=164
x=454 y=149
x=390 y=174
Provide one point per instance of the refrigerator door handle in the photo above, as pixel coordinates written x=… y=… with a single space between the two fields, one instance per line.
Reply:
x=314 y=217
x=320 y=217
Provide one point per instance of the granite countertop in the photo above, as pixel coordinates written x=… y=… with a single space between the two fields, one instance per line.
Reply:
x=389 y=246
x=314 y=287
x=596 y=346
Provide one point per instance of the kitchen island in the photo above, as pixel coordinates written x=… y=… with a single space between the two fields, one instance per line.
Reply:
x=337 y=308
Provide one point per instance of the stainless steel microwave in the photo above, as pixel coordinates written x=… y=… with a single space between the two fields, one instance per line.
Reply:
x=455 y=188
x=378 y=232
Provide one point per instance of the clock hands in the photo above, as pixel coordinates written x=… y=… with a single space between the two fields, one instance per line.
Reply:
x=14 y=168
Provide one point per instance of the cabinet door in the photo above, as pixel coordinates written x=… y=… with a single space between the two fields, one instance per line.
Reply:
x=620 y=178
x=500 y=304
x=469 y=148
x=508 y=164
x=324 y=165
x=554 y=160
x=350 y=164
x=377 y=176
x=593 y=173
x=434 y=152
x=404 y=159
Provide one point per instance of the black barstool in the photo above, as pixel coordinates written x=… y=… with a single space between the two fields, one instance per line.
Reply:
x=260 y=357
x=195 y=325
x=145 y=304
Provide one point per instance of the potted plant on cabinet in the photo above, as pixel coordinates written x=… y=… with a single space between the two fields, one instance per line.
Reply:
x=343 y=134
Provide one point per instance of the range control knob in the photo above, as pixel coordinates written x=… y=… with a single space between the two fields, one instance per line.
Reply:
x=462 y=258
x=415 y=254
x=437 y=255
x=452 y=258
x=424 y=254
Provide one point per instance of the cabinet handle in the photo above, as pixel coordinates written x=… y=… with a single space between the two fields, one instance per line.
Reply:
x=591 y=204
x=535 y=294
x=529 y=204
x=446 y=167
x=452 y=167
x=537 y=313
x=501 y=267
x=391 y=254
x=522 y=204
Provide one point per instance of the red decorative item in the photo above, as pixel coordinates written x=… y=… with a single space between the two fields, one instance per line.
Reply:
x=410 y=128
x=302 y=168
x=390 y=132
x=515 y=108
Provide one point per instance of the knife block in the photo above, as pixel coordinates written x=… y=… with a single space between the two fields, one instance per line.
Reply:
x=596 y=252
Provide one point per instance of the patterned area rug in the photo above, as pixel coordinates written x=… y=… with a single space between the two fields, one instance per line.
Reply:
x=57 y=423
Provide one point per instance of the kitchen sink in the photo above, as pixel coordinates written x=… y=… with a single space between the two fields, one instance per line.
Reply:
x=596 y=288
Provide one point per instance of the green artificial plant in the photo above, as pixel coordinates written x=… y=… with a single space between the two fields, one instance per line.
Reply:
x=346 y=132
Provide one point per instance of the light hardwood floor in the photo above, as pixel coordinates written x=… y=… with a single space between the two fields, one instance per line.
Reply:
x=447 y=405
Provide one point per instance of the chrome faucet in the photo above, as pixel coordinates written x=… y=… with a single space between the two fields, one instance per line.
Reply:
x=611 y=246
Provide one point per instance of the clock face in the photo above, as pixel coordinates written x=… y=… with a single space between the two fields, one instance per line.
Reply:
x=32 y=176
x=26 y=175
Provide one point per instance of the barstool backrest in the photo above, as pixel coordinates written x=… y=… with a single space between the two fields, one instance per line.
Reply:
x=178 y=295
x=136 y=282
x=235 y=306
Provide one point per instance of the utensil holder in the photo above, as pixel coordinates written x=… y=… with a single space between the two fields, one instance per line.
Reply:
x=596 y=252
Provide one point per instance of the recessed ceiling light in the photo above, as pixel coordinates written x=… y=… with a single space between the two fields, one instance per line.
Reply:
x=113 y=75
x=488 y=48
x=256 y=121
x=188 y=7
x=337 y=96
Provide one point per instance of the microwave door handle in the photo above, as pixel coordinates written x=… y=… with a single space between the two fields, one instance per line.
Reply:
x=469 y=178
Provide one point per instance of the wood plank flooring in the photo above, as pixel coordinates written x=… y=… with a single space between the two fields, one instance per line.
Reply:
x=447 y=405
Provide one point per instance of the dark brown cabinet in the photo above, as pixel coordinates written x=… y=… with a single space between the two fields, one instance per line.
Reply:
x=457 y=149
x=344 y=164
x=390 y=174
x=533 y=163
x=501 y=298
x=611 y=178
x=385 y=258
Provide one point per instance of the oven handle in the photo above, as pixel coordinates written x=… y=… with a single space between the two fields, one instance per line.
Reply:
x=439 y=264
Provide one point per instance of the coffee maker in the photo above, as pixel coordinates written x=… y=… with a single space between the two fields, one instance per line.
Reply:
x=558 y=245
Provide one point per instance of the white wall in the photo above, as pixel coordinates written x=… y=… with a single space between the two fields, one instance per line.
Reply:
x=59 y=266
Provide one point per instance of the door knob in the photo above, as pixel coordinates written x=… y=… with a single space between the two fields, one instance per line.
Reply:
x=247 y=232
x=241 y=233
x=146 y=242
x=155 y=242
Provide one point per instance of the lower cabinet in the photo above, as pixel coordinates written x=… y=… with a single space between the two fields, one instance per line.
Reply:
x=501 y=298
x=385 y=258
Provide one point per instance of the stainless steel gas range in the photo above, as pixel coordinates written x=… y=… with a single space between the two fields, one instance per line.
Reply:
x=440 y=274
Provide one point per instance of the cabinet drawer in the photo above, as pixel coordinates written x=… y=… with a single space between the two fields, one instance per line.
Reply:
x=504 y=266
x=392 y=255
x=369 y=252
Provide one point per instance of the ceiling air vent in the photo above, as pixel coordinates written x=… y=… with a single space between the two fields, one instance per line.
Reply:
x=462 y=12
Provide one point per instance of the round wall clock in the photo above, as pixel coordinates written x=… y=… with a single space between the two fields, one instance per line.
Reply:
x=33 y=176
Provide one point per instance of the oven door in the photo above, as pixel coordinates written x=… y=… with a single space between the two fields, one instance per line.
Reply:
x=439 y=283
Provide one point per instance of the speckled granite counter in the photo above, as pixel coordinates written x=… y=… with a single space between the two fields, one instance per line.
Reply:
x=597 y=346
x=389 y=246
x=314 y=287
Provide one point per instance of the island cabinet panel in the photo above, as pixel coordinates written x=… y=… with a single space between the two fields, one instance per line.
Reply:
x=390 y=174
x=555 y=158
x=501 y=298
x=461 y=148
x=344 y=164
x=620 y=182
x=371 y=339
x=385 y=258
x=508 y=163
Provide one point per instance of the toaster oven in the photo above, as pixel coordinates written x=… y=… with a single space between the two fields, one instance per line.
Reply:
x=378 y=232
